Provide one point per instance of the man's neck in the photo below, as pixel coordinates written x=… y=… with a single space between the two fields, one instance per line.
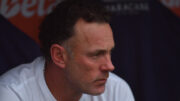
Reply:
x=58 y=85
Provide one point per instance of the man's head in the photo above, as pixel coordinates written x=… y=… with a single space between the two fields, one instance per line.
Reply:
x=58 y=26
x=78 y=39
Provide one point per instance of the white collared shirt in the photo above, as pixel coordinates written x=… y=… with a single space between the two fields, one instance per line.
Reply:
x=27 y=83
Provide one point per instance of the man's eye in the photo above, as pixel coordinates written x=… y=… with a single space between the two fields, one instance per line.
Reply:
x=98 y=54
x=95 y=56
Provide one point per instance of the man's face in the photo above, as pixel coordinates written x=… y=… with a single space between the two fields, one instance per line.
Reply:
x=88 y=68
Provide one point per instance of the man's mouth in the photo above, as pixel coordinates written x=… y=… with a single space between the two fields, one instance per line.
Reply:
x=101 y=81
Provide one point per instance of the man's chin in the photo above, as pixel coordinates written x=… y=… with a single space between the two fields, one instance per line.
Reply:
x=97 y=91
x=96 y=94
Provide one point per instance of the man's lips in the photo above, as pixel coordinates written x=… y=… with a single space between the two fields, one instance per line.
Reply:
x=101 y=81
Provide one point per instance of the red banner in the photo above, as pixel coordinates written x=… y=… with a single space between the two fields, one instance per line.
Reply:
x=26 y=14
x=174 y=5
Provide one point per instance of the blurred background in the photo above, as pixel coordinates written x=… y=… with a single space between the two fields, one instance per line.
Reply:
x=147 y=36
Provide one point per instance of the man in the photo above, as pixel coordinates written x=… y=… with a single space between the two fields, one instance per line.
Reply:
x=76 y=41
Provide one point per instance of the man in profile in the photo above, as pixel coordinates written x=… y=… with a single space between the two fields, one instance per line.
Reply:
x=76 y=40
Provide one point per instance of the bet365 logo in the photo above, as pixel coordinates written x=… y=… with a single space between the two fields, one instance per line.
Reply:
x=27 y=8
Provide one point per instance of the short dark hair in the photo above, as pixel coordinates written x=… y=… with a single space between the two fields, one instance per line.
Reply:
x=57 y=27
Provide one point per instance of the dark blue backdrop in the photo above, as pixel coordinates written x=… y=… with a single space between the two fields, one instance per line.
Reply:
x=15 y=47
x=147 y=52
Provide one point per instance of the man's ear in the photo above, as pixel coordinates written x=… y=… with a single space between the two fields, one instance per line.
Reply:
x=58 y=55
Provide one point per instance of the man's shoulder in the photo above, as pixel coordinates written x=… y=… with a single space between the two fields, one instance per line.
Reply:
x=116 y=80
x=19 y=74
x=25 y=82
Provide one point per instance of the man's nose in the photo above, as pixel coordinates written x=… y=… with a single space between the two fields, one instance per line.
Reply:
x=107 y=65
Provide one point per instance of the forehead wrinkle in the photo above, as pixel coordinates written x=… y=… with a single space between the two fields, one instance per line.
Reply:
x=86 y=38
x=92 y=37
x=81 y=35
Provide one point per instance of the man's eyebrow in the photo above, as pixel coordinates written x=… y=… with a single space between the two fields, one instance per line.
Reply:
x=99 y=51
x=103 y=50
